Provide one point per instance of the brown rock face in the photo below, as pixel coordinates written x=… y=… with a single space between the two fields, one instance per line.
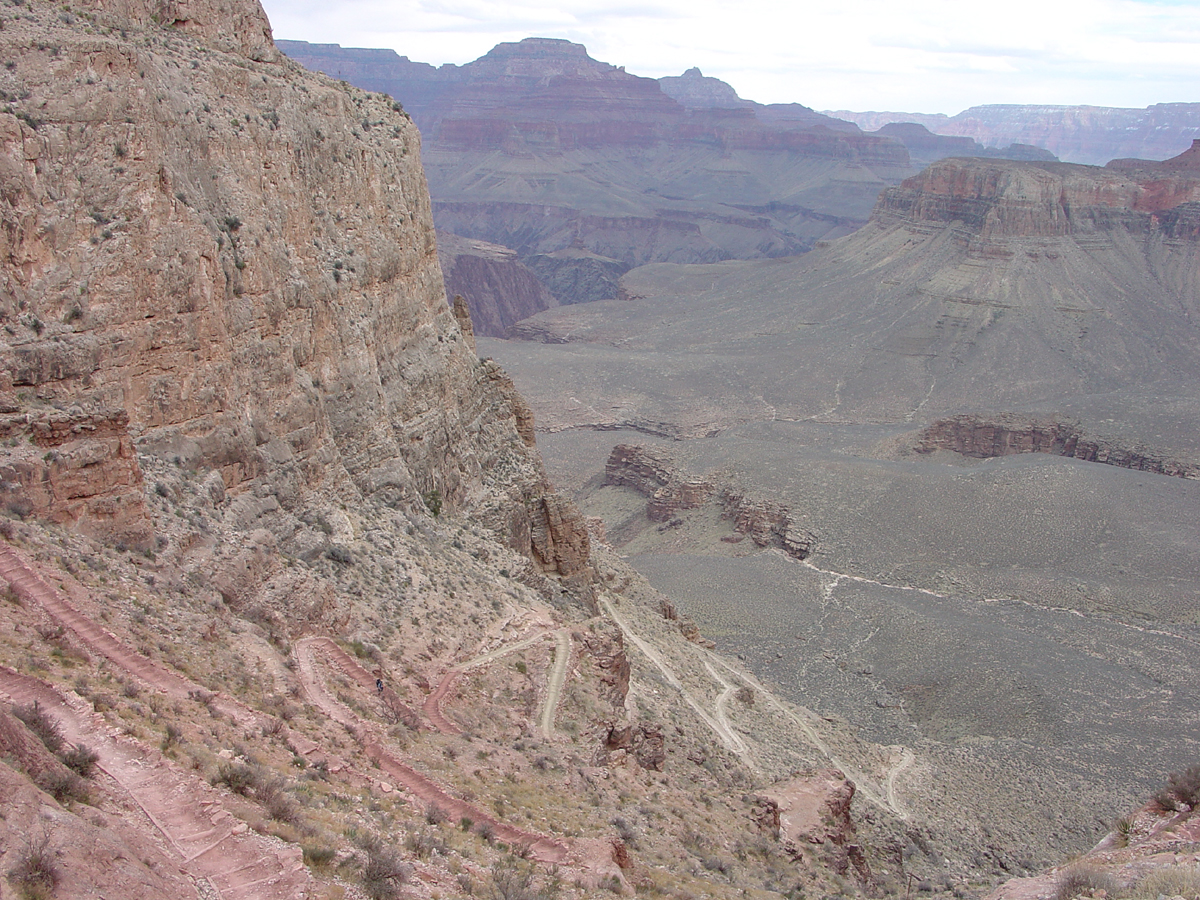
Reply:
x=238 y=257
x=813 y=811
x=1001 y=199
x=987 y=437
x=653 y=474
x=76 y=469
x=497 y=286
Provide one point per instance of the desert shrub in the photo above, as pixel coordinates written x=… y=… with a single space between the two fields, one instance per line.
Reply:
x=36 y=872
x=385 y=872
x=422 y=844
x=339 y=554
x=434 y=814
x=1186 y=785
x=319 y=857
x=239 y=778
x=63 y=785
x=1173 y=881
x=80 y=759
x=37 y=721
x=275 y=800
x=513 y=879
x=1083 y=880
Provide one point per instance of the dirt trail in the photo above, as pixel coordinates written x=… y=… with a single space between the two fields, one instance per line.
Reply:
x=34 y=589
x=433 y=703
x=885 y=799
x=365 y=679
x=730 y=738
x=235 y=864
x=308 y=652
x=211 y=844
x=554 y=683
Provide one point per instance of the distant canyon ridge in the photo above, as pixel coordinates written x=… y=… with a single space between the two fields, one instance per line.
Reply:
x=562 y=172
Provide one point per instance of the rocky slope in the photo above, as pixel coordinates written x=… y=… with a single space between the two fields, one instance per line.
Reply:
x=1092 y=135
x=280 y=564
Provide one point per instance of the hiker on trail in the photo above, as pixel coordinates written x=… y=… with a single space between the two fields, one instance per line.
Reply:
x=379 y=684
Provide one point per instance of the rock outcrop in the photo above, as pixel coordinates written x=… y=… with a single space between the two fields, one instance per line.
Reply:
x=654 y=474
x=811 y=814
x=74 y=468
x=498 y=288
x=985 y=437
x=237 y=257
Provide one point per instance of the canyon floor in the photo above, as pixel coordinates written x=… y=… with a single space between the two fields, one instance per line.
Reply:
x=1026 y=625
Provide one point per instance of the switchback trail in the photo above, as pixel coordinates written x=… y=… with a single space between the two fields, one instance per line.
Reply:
x=432 y=706
x=210 y=843
x=31 y=588
x=554 y=681
x=308 y=651
x=730 y=738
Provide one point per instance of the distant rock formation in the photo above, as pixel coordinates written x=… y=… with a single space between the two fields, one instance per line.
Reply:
x=538 y=147
x=925 y=147
x=1081 y=134
x=695 y=91
x=986 y=437
x=498 y=288
x=655 y=475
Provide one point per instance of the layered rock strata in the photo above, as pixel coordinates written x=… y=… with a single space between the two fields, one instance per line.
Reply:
x=237 y=257
x=498 y=288
x=983 y=437
x=655 y=475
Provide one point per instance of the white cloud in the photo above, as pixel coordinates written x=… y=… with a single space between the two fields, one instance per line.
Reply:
x=922 y=56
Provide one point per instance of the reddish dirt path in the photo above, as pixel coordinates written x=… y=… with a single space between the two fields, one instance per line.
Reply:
x=211 y=844
x=308 y=652
x=356 y=672
x=34 y=589
x=433 y=703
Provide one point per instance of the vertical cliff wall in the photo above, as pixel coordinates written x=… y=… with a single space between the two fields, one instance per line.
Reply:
x=239 y=256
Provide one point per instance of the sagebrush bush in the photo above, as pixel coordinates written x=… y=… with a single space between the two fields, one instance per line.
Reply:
x=1079 y=881
x=37 y=721
x=36 y=872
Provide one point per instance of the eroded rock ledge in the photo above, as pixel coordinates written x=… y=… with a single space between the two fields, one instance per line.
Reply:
x=654 y=474
x=983 y=437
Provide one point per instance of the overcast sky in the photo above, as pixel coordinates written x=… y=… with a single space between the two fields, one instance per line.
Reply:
x=915 y=56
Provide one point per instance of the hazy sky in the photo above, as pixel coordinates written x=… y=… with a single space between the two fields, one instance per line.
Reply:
x=915 y=56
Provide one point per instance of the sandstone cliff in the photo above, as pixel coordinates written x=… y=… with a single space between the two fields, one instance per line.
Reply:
x=238 y=257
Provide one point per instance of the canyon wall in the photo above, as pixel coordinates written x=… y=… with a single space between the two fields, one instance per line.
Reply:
x=237 y=258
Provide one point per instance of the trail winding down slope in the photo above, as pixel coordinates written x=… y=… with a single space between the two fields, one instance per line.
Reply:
x=162 y=797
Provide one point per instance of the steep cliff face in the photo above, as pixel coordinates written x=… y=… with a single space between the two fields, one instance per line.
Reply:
x=239 y=257
x=498 y=288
